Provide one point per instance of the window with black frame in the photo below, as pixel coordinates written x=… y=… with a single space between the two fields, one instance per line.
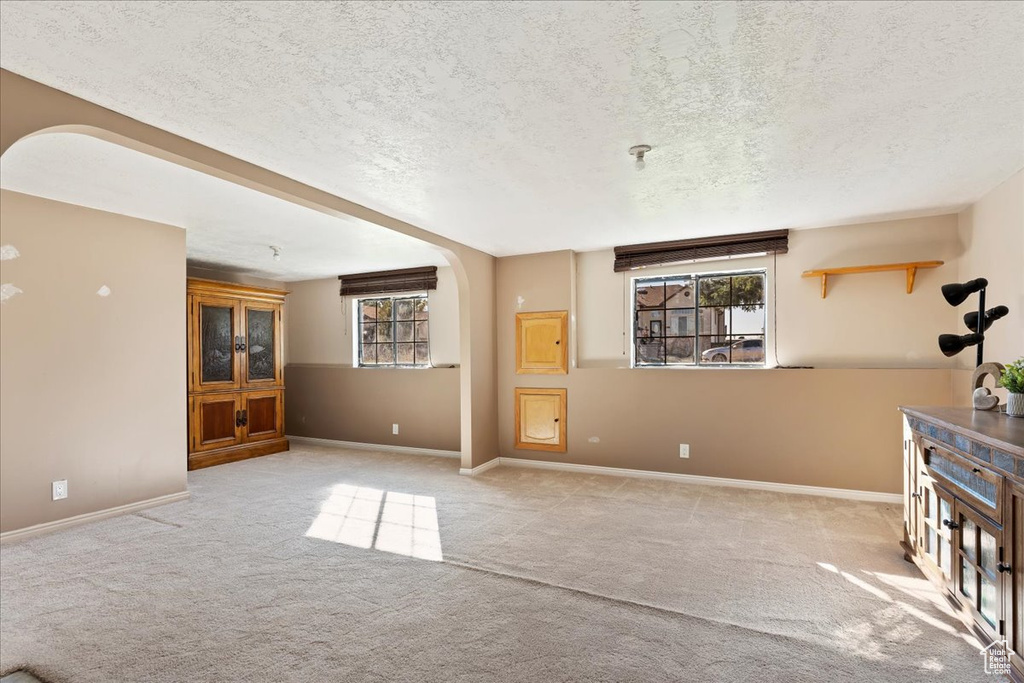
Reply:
x=716 y=319
x=394 y=331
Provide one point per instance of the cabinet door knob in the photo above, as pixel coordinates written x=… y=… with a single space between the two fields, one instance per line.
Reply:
x=558 y=341
x=915 y=495
x=976 y=470
x=951 y=524
x=238 y=418
x=1003 y=567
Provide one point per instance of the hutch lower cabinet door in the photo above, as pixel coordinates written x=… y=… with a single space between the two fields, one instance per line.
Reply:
x=235 y=372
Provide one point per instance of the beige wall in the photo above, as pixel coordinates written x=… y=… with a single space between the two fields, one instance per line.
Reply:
x=867 y=320
x=992 y=233
x=330 y=397
x=361 y=404
x=320 y=322
x=835 y=426
x=93 y=387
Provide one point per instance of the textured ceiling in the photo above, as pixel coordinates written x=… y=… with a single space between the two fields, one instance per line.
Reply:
x=226 y=225
x=505 y=125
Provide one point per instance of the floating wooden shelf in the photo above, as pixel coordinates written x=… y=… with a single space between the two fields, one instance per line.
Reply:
x=911 y=269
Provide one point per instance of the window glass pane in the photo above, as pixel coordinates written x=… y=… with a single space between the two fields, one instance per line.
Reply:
x=944 y=557
x=747 y=290
x=968 y=579
x=422 y=331
x=715 y=291
x=384 y=310
x=404 y=332
x=369 y=333
x=405 y=354
x=368 y=354
x=714 y=350
x=403 y=309
x=385 y=332
x=385 y=354
x=422 y=354
x=650 y=324
x=944 y=510
x=650 y=295
x=930 y=541
x=748 y=350
x=420 y=307
x=714 y=322
x=680 y=322
x=745 y=320
x=969 y=539
x=650 y=351
x=989 y=606
x=679 y=349
x=679 y=293
x=988 y=551
x=369 y=311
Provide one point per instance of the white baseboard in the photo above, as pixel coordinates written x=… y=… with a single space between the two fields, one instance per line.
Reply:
x=848 y=494
x=48 y=527
x=479 y=469
x=356 y=446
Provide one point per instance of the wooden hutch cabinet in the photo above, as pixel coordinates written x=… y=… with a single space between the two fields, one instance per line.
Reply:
x=235 y=374
x=963 y=516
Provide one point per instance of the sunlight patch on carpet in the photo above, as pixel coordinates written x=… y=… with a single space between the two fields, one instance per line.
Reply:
x=389 y=521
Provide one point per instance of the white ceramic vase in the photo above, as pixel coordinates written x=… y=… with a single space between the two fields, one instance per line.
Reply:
x=1015 y=405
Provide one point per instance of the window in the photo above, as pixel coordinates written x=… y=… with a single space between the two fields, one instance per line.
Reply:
x=699 y=319
x=394 y=331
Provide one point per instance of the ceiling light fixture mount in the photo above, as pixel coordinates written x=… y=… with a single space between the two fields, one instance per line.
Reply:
x=277 y=252
x=639 y=151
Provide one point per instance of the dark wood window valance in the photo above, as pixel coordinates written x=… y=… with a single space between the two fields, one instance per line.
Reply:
x=663 y=253
x=389 y=281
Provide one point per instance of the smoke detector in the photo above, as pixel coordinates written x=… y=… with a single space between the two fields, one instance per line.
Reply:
x=639 y=151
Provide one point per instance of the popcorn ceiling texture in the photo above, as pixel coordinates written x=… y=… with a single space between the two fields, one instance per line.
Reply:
x=227 y=225
x=506 y=125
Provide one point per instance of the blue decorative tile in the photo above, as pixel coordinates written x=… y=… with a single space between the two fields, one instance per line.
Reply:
x=1020 y=467
x=962 y=442
x=1003 y=461
x=981 y=452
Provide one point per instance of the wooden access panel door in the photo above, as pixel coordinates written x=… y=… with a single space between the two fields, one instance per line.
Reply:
x=542 y=343
x=540 y=419
x=262 y=415
x=261 y=345
x=215 y=343
x=216 y=420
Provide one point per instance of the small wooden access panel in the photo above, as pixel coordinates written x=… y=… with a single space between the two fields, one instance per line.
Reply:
x=540 y=419
x=542 y=343
x=235 y=374
x=911 y=269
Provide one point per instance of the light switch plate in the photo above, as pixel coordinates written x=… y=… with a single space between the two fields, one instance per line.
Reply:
x=684 y=450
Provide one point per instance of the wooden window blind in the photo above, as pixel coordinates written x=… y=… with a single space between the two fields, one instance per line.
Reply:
x=634 y=256
x=389 y=281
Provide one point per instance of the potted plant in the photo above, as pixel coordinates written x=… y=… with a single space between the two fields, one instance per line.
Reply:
x=1013 y=380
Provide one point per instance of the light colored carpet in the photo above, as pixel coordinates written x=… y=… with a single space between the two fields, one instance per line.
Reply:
x=546 y=576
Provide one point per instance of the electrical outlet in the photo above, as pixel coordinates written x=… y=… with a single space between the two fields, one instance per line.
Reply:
x=684 y=450
x=60 y=489
x=394 y=428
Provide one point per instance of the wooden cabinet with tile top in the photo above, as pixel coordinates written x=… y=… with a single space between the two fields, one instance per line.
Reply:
x=964 y=518
x=235 y=372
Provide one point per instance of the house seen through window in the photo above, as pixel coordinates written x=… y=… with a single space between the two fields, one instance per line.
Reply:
x=394 y=331
x=700 y=319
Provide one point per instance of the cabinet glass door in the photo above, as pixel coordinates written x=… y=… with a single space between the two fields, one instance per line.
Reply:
x=1013 y=572
x=262 y=337
x=979 y=551
x=935 y=533
x=216 y=341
